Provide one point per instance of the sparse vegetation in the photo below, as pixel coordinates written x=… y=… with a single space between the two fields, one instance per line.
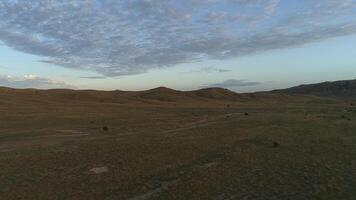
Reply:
x=180 y=150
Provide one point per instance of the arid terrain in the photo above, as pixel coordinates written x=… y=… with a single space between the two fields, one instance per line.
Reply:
x=167 y=144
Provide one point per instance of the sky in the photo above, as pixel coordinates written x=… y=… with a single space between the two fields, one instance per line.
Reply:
x=242 y=45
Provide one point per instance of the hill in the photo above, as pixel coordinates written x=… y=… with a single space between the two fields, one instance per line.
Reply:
x=339 y=89
x=159 y=96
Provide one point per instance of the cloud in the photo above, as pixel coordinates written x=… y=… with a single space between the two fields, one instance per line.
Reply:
x=94 y=77
x=32 y=81
x=119 y=37
x=208 y=70
x=231 y=83
x=271 y=6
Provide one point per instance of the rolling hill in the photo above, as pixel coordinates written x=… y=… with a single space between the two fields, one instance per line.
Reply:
x=160 y=95
x=339 y=89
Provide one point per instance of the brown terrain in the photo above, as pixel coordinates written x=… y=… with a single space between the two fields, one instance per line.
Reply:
x=338 y=89
x=168 y=144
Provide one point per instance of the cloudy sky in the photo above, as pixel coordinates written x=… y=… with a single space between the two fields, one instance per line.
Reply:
x=243 y=45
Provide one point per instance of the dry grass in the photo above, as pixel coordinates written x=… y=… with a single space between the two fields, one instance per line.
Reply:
x=285 y=148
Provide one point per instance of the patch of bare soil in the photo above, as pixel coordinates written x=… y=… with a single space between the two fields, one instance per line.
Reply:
x=56 y=137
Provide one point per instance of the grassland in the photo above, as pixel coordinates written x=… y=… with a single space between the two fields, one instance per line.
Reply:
x=163 y=145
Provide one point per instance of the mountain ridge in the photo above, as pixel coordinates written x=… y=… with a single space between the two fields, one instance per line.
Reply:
x=345 y=89
x=152 y=96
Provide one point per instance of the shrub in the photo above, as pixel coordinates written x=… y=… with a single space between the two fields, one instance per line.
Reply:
x=275 y=144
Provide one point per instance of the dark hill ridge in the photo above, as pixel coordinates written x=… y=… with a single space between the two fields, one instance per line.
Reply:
x=216 y=93
x=338 y=89
x=153 y=96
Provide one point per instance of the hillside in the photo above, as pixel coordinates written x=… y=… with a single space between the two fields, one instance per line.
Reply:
x=159 y=96
x=338 y=89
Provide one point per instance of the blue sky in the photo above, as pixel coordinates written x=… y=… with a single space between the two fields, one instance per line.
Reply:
x=243 y=45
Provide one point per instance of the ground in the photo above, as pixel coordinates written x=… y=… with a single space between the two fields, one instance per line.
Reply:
x=274 y=149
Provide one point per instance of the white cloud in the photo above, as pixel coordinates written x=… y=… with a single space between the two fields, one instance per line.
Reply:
x=32 y=81
x=233 y=83
x=271 y=6
x=30 y=77
x=208 y=70
x=120 y=37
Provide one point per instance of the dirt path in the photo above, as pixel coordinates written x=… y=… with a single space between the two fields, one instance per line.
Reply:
x=189 y=126
x=175 y=177
x=60 y=136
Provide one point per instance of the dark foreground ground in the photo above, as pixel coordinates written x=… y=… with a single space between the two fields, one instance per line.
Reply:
x=283 y=149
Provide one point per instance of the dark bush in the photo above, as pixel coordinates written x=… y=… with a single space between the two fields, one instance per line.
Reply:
x=105 y=128
x=275 y=144
x=246 y=114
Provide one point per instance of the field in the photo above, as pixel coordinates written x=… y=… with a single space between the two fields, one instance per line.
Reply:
x=260 y=146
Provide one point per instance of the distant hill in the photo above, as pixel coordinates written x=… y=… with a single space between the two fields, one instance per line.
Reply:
x=338 y=89
x=157 y=96
x=216 y=93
